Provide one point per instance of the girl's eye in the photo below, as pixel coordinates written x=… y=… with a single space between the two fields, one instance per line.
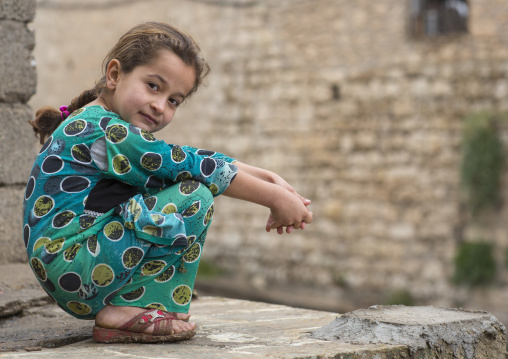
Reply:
x=174 y=102
x=153 y=86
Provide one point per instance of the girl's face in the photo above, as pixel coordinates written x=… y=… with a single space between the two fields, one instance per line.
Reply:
x=148 y=96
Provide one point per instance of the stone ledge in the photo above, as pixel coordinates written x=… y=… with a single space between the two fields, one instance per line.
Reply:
x=13 y=303
x=231 y=328
x=227 y=328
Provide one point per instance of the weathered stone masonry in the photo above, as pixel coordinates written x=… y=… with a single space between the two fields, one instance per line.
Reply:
x=366 y=122
x=334 y=96
x=17 y=85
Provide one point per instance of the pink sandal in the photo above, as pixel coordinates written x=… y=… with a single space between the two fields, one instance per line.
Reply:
x=132 y=331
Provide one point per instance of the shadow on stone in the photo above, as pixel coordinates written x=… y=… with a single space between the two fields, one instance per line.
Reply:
x=42 y=327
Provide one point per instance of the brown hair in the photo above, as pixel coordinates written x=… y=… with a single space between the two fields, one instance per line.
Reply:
x=137 y=47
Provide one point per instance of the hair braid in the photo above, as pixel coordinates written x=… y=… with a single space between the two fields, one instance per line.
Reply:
x=47 y=118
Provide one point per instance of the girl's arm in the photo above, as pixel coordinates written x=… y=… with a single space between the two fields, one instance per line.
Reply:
x=260 y=173
x=286 y=209
x=272 y=177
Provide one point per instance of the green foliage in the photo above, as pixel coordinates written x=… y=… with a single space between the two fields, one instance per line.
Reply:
x=210 y=270
x=340 y=279
x=400 y=297
x=475 y=264
x=482 y=161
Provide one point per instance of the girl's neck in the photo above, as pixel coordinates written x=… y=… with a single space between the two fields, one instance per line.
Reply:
x=98 y=102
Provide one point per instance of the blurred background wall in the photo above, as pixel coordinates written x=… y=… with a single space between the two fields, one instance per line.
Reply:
x=17 y=85
x=362 y=106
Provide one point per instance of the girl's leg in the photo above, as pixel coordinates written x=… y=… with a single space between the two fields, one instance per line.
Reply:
x=164 y=279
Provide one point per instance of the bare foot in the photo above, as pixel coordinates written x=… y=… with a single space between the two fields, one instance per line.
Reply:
x=113 y=317
x=181 y=316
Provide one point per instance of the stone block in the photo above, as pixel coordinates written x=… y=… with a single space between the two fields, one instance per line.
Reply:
x=19 y=10
x=17 y=151
x=429 y=332
x=17 y=66
x=11 y=222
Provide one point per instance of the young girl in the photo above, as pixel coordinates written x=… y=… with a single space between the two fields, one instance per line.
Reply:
x=115 y=220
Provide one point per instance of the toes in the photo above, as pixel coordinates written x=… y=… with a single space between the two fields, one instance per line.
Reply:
x=181 y=316
x=179 y=326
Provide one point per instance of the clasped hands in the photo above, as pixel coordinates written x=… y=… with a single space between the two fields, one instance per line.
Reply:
x=291 y=212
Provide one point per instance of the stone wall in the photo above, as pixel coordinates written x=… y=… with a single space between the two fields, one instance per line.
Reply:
x=334 y=96
x=17 y=85
x=364 y=121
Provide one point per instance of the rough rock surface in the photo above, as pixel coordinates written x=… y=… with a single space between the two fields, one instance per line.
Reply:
x=29 y=318
x=42 y=327
x=439 y=332
x=17 y=10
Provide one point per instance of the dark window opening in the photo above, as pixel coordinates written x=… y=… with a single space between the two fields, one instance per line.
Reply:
x=438 y=17
x=335 y=92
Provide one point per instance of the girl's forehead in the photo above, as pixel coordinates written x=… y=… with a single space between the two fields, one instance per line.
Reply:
x=170 y=69
x=164 y=59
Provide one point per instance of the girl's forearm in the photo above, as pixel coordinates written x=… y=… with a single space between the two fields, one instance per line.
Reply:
x=249 y=187
x=286 y=208
x=257 y=172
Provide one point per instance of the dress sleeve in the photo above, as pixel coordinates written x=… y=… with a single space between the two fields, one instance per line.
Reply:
x=212 y=154
x=136 y=157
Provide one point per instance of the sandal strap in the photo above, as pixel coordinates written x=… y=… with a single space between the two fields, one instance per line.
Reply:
x=163 y=326
x=140 y=322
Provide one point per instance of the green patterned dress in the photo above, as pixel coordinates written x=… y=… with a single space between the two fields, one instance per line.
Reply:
x=114 y=216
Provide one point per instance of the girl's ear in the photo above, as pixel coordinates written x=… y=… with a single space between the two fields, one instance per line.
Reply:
x=113 y=71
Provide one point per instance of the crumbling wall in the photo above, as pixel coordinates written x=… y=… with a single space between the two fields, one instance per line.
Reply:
x=336 y=97
x=363 y=120
x=17 y=85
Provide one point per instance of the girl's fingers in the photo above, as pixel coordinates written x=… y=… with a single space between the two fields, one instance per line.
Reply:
x=273 y=224
x=296 y=225
x=280 y=229
x=269 y=222
x=304 y=200
x=308 y=217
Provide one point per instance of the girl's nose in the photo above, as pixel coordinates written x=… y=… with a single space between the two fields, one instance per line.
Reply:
x=158 y=104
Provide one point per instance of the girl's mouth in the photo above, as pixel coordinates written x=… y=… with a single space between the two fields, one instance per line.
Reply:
x=149 y=118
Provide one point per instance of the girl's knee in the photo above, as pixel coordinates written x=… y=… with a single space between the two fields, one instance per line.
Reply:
x=196 y=189
x=180 y=196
